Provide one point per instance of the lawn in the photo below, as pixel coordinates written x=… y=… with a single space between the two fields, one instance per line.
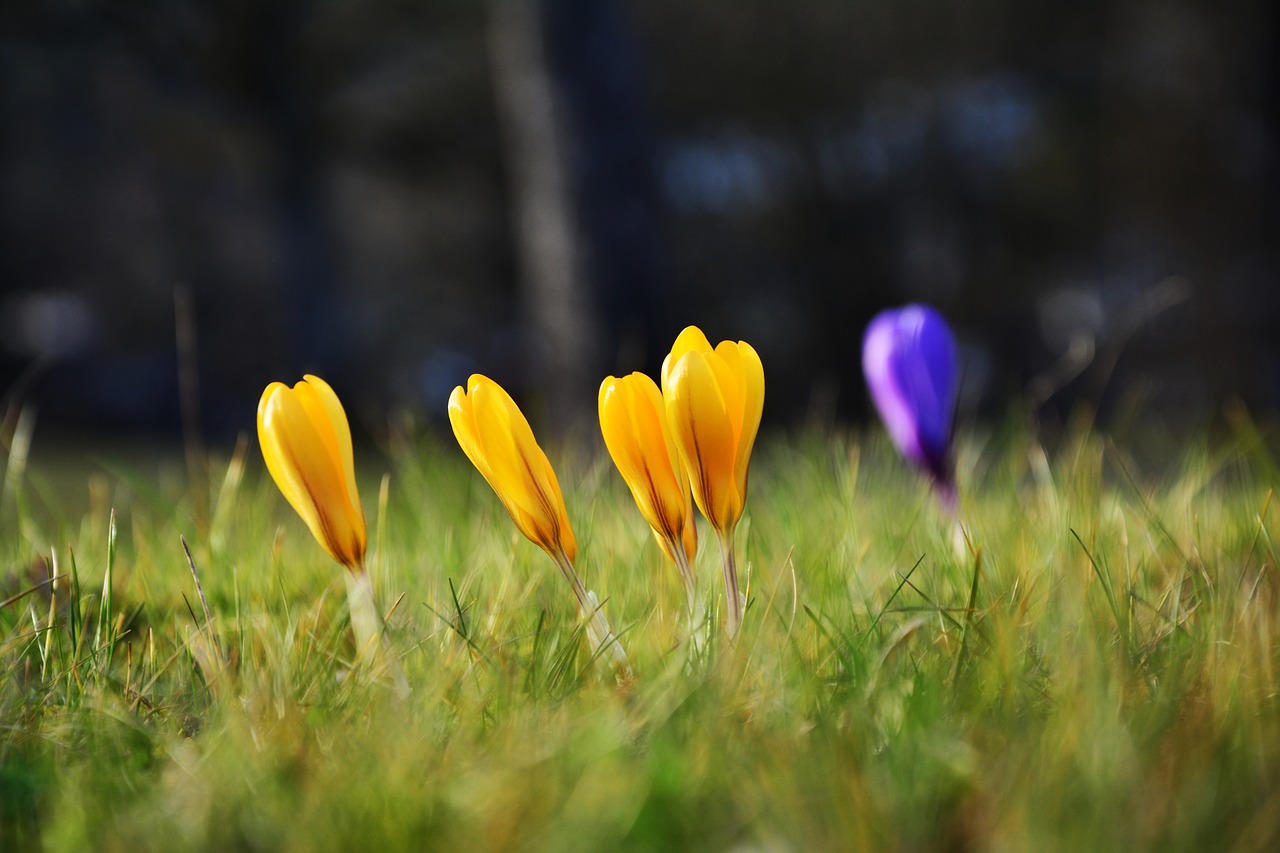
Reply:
x=1085 y=659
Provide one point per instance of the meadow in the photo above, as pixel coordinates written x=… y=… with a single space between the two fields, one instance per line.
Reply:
x=1086 y=659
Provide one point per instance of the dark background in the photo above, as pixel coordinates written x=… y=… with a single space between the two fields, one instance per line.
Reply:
x=395 y=194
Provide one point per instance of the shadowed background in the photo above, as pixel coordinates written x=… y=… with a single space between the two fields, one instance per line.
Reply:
x=396 y=194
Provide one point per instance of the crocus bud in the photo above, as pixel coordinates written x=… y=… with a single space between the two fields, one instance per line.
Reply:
x=633 y=421
x=714 y=399
x=909 y=360
x=306 y=444
x=496 y=437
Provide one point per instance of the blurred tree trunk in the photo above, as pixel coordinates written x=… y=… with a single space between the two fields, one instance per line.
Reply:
x=274 y=84
x=549 y=245
x=600 y=73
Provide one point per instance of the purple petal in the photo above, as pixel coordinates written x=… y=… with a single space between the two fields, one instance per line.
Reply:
x=909 y=359
x=878 y=365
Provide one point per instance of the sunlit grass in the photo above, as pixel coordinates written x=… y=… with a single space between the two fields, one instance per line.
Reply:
x=1112 y=686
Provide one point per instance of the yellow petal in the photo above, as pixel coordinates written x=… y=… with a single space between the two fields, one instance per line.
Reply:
x=300 y=449
x=495 y=435
x=330 y=457
x=463 y=420
x=278 y=459
x=514 y=473
x=649 y=416
x=689 y=536
x=691 y=339
x=633 y=423
x=703 y=432
x=748 y=378
x=564 y=530
x=724 y=365
x=341 y=432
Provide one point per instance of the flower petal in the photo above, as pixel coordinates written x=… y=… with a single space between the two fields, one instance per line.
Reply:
x=703 y=432
x=337 y=418
x=748 y=373
x=297 y=445
x=925 y=365
x=909 y=360
x=633 y=423
x=463 y=420
x=495 y=435
x=691 y=339
x=279 y=459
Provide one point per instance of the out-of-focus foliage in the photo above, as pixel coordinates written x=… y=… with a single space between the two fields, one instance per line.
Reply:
x=1089 y=663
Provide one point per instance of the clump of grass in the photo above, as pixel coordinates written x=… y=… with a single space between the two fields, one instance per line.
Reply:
x=1088 y=661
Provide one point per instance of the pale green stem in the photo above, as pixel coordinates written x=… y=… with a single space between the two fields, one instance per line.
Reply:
x=696 y=634
x=732 y=597
x=686 y=571
x=599 y=633
x=368 y=626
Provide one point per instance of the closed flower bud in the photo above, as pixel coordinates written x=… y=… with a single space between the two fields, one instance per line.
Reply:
x=496 y=437
x=306 y=443
x=633 y=421
x=714 y=399
x=909 y=360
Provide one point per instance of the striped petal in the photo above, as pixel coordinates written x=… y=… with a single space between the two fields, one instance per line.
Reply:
x=633 y=423
x=701 y=424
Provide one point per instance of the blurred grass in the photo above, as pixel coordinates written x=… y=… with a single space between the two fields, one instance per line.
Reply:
x=1112 y=687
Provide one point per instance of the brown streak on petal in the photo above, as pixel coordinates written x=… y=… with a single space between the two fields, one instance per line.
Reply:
x=702 y=470
x=551 y=512
x=659 y=505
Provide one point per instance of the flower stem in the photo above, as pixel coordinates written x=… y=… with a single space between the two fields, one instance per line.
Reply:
x=948 y=497
x=598 y=631
x=686 y=572
x=733 y=598
x=696 y=636
x=368 y=626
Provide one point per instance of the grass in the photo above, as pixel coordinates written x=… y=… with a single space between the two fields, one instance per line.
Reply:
x=1088 y=662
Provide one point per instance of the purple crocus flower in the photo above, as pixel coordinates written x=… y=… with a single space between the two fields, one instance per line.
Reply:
x=909 y=359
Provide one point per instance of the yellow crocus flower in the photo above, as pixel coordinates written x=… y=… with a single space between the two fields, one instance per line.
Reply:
x=496 y=437
x=714 y=399
x=306 y=443
x=633 y=421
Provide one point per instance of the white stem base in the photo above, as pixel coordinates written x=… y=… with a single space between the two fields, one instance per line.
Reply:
x=367 y=625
